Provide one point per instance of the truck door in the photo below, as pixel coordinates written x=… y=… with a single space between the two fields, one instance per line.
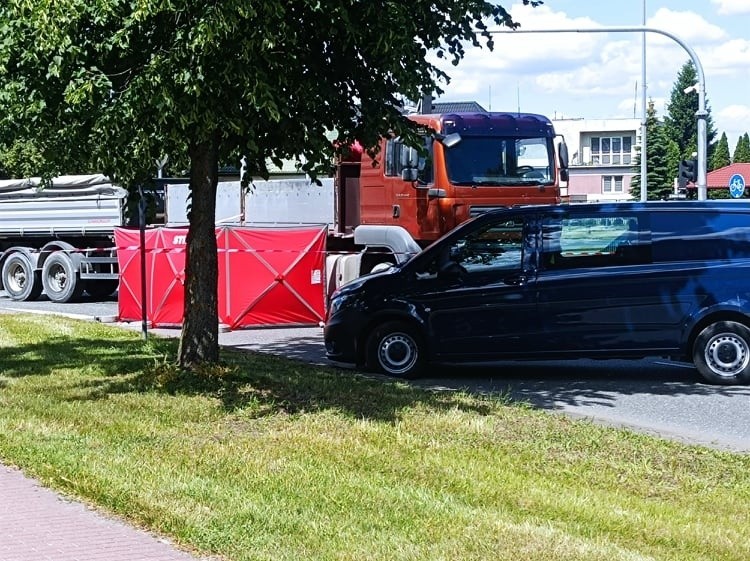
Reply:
x=375 y=185
x=389 y=199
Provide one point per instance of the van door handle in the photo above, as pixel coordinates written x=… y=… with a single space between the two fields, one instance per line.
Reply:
x=516 y=280
x=396 y=211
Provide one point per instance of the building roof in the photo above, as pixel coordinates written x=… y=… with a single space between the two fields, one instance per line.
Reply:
x=457 y=107
x=720 y=177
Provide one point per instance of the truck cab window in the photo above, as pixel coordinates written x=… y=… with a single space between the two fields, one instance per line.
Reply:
x=425 y=174
x=392 y=156
x=399 y=156
x=498 y=161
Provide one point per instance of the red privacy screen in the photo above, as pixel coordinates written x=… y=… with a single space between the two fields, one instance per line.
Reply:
x=267 y=276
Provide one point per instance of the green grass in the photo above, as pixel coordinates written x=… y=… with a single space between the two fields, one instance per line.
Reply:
x=270 y=459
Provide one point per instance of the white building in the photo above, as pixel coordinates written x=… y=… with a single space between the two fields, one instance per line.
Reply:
x=602 y=157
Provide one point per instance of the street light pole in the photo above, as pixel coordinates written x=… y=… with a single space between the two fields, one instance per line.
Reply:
x=700 y=115
x=644 y=120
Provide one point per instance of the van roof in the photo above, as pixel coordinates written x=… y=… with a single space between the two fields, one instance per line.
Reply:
x=742 y=205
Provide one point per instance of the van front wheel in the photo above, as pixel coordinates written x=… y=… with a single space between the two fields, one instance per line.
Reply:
x=395 y=348
x=722 y=353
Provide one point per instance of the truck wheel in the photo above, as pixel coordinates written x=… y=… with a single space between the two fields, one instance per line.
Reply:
x=101 y=288
x=19 y=279
x=722 y=353
x=396 y=349
x=60 y=279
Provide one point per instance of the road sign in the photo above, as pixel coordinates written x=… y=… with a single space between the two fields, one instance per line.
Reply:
x=736 y=186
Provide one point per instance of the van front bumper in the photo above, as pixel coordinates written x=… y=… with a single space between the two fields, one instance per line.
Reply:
x=340 y=342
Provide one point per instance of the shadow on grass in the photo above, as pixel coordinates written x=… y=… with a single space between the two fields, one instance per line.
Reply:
x=257 y=383
x=262 y=384
x=111 y=356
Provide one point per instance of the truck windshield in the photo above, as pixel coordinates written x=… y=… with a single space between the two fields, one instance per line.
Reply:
x=501 y=161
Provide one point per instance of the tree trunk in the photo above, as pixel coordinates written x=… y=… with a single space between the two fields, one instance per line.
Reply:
x=199 y=341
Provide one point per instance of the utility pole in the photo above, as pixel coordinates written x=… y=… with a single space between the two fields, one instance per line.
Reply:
x=700 y=88
x=644 y=120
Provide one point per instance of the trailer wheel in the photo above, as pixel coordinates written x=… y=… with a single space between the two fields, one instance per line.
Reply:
x=19 y=279
x=60 y=279
x=101 y=288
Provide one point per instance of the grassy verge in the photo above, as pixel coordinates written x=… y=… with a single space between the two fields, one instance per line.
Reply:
x=273 y=459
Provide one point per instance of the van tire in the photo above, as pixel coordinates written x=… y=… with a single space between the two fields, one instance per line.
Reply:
x=19 y=279
x=722 y=353
x=395 y=348
x=60 y=278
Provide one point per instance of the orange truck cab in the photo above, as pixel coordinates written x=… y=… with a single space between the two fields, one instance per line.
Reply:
x=471 y=163
x=474 y=162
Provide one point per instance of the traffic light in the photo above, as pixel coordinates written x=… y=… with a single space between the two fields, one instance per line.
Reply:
x=688 y=172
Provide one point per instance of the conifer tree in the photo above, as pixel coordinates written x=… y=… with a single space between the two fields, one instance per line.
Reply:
x=742 y=150
x=659 y=147
x=680 y=120
x=720 y=157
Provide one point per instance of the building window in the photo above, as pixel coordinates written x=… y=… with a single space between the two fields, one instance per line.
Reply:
x=611 y=150
x=612 y=184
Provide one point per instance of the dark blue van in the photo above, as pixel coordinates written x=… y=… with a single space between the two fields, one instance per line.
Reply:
x=624 y=280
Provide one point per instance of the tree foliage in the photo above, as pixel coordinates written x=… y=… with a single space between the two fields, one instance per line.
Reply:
x=742 y=150
x=681 y=123
x=660 y=152
x=117 y=84
x=720 y=157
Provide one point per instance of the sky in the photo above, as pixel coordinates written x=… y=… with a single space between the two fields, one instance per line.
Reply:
x=599 y=75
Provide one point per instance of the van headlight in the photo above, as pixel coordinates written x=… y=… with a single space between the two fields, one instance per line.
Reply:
x=338 y=301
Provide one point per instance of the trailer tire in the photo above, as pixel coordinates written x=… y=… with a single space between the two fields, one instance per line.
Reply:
x=20 y=280
x=101 y=288
x=60 y=278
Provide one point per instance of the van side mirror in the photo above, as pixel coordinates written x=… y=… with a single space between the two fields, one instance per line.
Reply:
x=451 y=270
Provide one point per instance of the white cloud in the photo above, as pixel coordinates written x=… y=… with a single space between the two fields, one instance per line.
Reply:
x=598 y=75
x=727 y=58
x=688 y=26
x=732 y=119
x=731 y=7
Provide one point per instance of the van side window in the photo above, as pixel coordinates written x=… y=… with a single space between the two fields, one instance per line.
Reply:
x=498 y=246
x=700 y=236
x=596 y=240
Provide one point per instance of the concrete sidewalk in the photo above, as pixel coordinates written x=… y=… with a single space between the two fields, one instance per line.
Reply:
x=36 y=524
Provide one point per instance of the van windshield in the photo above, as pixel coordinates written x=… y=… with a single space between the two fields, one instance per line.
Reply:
x=496 y=161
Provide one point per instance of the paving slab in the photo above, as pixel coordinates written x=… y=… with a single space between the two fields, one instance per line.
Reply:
x=37 y=524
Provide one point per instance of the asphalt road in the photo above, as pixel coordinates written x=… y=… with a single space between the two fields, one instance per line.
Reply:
x=657 y=397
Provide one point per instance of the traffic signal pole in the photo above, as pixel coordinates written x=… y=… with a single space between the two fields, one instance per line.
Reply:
x=700 y=86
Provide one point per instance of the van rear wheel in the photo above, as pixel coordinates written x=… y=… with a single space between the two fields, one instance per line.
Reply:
x=722 y=353
x=396 y=349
